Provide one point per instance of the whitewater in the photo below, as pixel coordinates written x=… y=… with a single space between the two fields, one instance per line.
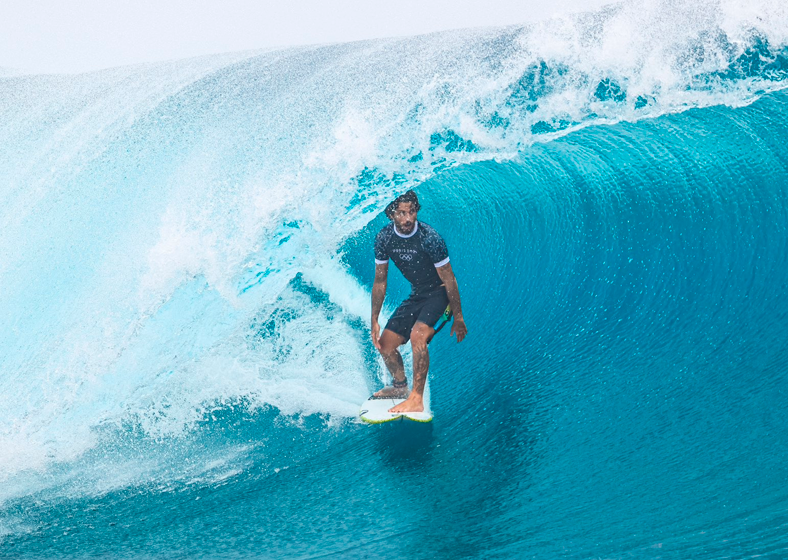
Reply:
x=185 y=273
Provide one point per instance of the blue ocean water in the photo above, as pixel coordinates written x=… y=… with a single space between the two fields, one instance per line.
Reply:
x=185 y=266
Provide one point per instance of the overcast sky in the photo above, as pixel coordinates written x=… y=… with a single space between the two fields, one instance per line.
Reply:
x=81 y=35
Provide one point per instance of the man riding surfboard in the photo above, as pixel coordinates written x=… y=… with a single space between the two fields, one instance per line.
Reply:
x=420 y=253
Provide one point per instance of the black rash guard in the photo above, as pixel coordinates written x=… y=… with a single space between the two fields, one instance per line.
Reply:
x=416 y=255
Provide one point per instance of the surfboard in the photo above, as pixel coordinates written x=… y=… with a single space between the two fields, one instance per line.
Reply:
x=376 y=411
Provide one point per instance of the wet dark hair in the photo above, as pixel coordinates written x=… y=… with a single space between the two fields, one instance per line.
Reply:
x=409 y=196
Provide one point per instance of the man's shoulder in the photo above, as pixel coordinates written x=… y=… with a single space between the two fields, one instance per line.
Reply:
x=427 y=231
x=433 y=243
x=386 y=230
x=385 y=234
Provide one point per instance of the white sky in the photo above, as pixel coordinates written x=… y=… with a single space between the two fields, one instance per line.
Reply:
x=80 y=35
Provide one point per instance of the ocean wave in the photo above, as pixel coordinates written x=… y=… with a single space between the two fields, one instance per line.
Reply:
x=180 y=237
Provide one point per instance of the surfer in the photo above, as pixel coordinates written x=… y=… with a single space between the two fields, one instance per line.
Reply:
x=420 y=253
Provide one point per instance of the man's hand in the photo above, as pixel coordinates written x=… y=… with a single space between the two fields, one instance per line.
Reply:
x=458 y=327
x=376 y=334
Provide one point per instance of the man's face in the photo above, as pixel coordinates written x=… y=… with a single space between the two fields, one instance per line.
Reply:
x=405 y=217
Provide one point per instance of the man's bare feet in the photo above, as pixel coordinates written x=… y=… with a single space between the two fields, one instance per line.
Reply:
x=414 y=403
x=392 y=392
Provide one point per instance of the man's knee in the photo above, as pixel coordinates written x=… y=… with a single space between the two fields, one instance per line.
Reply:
x=387 y=350
x=389 y=344
x=420 y=336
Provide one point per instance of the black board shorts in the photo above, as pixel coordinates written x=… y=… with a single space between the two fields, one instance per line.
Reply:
x=426 y=308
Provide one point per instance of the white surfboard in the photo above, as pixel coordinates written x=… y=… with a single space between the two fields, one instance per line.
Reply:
x=376 y=411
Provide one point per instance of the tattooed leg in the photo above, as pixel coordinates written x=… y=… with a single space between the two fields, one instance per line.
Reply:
x=419 y=339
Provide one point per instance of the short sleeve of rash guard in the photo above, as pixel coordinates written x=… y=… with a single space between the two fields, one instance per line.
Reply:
x=381 y=255
x=436 y=249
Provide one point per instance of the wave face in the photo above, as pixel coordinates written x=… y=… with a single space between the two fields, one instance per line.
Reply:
x=186 y=258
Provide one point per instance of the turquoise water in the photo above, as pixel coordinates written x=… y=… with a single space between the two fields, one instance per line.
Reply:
x=186 y=258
